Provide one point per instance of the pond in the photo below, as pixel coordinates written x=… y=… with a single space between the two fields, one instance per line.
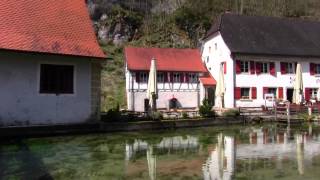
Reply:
x=226 y=152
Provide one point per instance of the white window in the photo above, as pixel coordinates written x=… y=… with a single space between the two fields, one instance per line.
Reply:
x=193 y=78
x=208 y=58
x=215 y=46
x=290 y=68
x=244 y=65
x=143 y=77
x=176 y=77
x=245 y=93
x=313 y=93
x=317 y=69
x=160 y=77
x=209 y=49
x=272 y=91
x=265 y=67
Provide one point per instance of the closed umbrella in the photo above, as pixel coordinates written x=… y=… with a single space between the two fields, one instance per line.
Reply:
x=152 y=163
x=152 y=85
x=298 y=86
x=220 y=88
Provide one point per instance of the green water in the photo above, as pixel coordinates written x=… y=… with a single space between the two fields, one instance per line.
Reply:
x=237 y=152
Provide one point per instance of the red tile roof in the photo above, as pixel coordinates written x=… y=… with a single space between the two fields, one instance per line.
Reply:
x=208 y=81
x=48 y=26
x=168 y=59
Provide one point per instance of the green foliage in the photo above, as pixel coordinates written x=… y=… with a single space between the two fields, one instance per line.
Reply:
x=305 y=116
x=205 y=109
x=182 y=27
x=113 y=114
x=231 y=113
x=185 y=115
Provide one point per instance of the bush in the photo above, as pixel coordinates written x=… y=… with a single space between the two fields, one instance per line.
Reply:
x=206 y=109
x=185 y=115
x=231 y=113
x=113 y=114
x=306 y=116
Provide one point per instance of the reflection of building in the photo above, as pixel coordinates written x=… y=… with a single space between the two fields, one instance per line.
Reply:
x=221 y=163
x=168 y=144
x=266 y=144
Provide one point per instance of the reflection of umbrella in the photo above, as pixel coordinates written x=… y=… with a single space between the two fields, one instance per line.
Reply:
x=298 y=86
x=152 y=85
x=220 y=89
x=152 y=163
x=300 y=154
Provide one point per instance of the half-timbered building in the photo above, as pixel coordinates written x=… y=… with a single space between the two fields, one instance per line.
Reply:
x=181 y=77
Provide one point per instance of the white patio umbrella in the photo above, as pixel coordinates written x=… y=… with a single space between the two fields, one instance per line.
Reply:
x=300 y=153
x=152 y=85
x=298 y=86
x=152 y=163
x=220 y=88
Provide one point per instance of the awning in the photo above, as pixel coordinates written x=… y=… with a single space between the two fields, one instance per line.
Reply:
x=208 y=81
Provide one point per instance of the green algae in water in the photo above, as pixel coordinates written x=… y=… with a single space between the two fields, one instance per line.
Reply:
x=232 y=152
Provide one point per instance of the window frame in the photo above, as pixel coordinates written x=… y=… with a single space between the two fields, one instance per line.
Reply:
x=263 y=67
x=317 y=69
x=176 y=77
x=314 y=91
x=160 y=77
x=144 y=77
x=193 y=78
x=292 y=66
x=243 y=68
x=245 y=97
x=74 y=85
x=275 y=93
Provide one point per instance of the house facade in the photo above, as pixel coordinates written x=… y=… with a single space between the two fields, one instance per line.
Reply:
x=181 y=77
x=260 y=55
x=50 y=63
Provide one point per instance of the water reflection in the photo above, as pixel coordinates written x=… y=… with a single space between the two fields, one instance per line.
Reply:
x=221 y=162
x=263 y=149
x=266 y=152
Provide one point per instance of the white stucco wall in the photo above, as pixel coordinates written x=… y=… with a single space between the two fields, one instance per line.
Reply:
x=279 y=80
x=20 y=100
x=216 y=57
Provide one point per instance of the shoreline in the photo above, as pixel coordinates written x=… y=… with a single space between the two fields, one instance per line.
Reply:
x=105 y=127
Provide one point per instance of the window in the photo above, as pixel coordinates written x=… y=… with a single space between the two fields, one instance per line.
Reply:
x=193 y=78
x=273 y=91
x=208 y=58
x=289 y=68
x=244 y=65
x=160 y=77
x=265 y=68
x=176 y=77
x=313 y=93
x=215 y=46
x=56 y=79
x=245 y=93
x=209 y=49
x=143 y=77
x=317 y=68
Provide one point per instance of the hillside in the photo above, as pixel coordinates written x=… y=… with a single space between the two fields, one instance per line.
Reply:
x=169 y=23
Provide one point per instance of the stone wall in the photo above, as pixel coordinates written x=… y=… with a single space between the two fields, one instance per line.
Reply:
x=95 y=90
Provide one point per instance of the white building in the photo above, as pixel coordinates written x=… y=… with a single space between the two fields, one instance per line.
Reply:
x=181 y=77
x=50 y=63
x=260 y=55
